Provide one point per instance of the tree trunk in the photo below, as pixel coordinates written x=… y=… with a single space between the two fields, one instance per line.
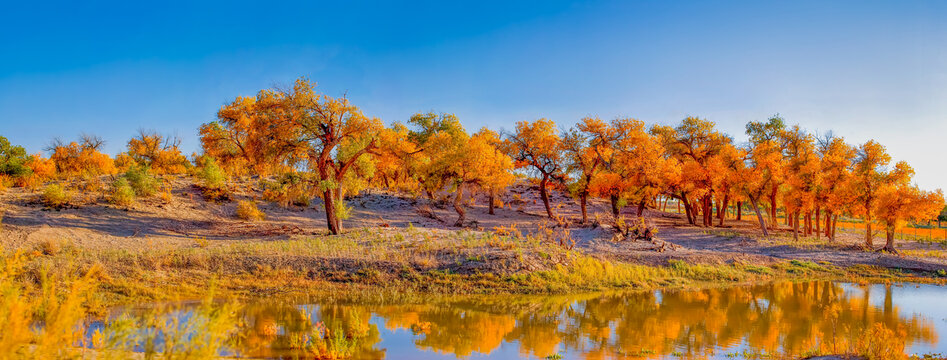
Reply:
x=459 y=205
x=889 y=244
x=739 y=210
x=722 y=213
x=544 y=195
x=614 y=200
x=868 y=238
x=687 y=210
x=340 y=201
x=492 y=200
x=772 y=210
x=834 y=224
x=641 y=208
x=759 y=216
x=810 y=226
x=795 y=226
x=583 y=200
x=332 y=220
x=709 y=216
x=818 y=222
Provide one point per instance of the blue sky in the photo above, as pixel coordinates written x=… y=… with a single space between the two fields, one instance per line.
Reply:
x=863 y=69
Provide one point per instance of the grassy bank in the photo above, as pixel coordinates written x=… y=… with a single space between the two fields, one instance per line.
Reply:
x=401 y=261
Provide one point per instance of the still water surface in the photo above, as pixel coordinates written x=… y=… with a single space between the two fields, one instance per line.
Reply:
x=784 y=318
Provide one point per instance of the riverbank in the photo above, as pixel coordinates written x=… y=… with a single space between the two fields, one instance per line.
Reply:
x=175 y=246
x=401 y=262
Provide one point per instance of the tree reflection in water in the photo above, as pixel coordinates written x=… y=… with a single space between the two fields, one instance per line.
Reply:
x=784 y=318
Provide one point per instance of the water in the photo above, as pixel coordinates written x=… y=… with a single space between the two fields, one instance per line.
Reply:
x=784 y=318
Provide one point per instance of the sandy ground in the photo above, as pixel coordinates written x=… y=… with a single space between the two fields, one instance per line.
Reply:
x=187 y=216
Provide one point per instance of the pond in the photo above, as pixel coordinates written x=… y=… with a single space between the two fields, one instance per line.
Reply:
x=736 y=322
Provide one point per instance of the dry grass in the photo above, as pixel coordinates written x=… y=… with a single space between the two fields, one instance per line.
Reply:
x=248 y=211
x=55 y=196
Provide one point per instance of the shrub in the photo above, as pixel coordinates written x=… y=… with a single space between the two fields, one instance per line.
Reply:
x=122 y=193
x=288 y=189
x=211 y=174
x=142 y=181
x=13 y=159
x=247 y=210
x=55 y=196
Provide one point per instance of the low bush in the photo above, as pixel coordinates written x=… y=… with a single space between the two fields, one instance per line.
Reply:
x=121 y=193
x=142 y=181
x=55 y=196
x=211 y=174
x=288 y=189
x=248 y=211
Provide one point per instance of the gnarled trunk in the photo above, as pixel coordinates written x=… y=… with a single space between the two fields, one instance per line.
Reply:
x=889 y=243
x=583 y=199
x=544 y=195
x=459 y=205
x=614 y=200
x=795 y=226
x=759 y=216
x=332 y=218
x=818 y=222
x=492 y=199
x=722 y=210
x=834 y=224
x=688 y=211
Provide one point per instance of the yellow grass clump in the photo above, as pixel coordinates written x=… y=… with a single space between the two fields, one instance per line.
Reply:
x=248 y=211
x=55 y=196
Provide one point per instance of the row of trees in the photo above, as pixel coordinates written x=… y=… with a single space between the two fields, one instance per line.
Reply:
x=811 y=179
x=84 y=159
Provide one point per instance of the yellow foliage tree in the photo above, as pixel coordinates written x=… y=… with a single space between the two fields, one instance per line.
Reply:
x=898 y=201
x=160 y=153
x=81 y=158
x=536 y=146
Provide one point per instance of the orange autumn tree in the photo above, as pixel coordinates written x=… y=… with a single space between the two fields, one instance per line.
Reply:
x=834 y=195
x=395 y=160
x=693 y=143
x=335 y=135
x=431 y=131
x=81 y=158
x=727 y=173
x=582 y=160
x=41 y=168
x=536 y=146
x=870 y=175
x=750 y=171
x=767 y=165
x=455 y=161
x=898 y=201
x=245 y=138
x=633 y=163
x=803 y=170
x=476 y=162
x=161 y=153
x=496 y=167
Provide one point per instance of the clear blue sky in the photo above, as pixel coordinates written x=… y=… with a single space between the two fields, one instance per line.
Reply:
x=861 y=68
